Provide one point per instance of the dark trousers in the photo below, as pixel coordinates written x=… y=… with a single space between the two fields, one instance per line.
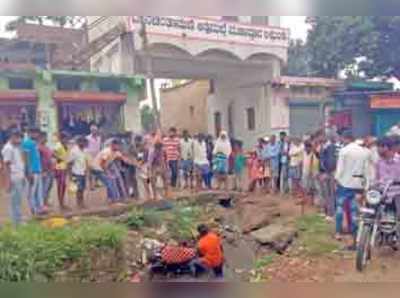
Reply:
x=199 y=268
x=173 y=167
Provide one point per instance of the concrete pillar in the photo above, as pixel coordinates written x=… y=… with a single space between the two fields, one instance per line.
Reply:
x=131 y=110
x=47 y=119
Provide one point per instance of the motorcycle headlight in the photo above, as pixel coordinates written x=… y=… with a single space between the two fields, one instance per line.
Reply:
x=374 y=197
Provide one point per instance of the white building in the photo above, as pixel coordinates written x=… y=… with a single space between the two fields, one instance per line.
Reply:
x=240 y=55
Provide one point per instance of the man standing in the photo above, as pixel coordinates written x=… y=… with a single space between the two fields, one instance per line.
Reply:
x=273 y=155
x=351 y=177
x=34 y=171
x=93 y=149
x=61 y=155
x=187 y=159
x=46 y=156
x=328 y=160
x=388 y=169
x=201 y=163
x=101 y=171
x=284 y=147
x=79 y=165
x=15 y=174
x=171 y=145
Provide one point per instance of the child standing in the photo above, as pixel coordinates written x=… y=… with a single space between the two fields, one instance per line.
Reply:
x=255 y=170
x=239 y=166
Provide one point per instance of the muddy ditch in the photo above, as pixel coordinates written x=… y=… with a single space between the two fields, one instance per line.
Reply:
x=251 y=229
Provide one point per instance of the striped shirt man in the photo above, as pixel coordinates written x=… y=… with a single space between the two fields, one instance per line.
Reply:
x=172 y=148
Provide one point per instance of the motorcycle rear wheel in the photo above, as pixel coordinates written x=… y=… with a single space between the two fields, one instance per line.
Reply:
x=364 y=249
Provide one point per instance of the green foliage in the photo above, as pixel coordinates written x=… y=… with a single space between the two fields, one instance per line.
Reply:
x=360 y=45
x=315 y=235
x=183 y=222
x=34 y=251
x=139 y=218
x=264 y=262
x=299 y=59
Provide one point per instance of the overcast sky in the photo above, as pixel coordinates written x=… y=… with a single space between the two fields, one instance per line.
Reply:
x=296 y=24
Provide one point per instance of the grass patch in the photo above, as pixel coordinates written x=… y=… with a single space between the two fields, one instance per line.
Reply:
x=182 y=222
x=315 y=235
x=264 y=262
x=139 y=218
x=33 y=251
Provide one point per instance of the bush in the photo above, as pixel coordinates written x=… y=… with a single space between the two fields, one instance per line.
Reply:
x=138 y=219
x=183 y=223
x=33 y=251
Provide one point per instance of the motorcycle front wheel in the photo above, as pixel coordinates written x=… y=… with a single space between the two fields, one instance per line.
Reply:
x=364 y=248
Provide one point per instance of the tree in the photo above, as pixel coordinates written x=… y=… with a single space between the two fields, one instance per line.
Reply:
x=381 y=48
x=299 y=59
x=147 y=118
x=364 y=45
x=336 y=42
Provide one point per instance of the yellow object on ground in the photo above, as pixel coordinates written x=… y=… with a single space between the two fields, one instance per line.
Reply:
x=55 y=222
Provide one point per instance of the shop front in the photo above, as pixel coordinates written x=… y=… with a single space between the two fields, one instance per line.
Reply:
x=386 y=112
x=17 y=110
x=78 y=110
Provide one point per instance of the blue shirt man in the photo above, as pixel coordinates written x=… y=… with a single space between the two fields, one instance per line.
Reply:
x=31 y=150
x=273 y=154
x=34 y=168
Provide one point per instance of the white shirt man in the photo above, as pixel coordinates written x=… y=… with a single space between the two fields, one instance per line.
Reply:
x=200 y=153
x=79 y=160
x=187 y=149
x=353 y=167
x=15 y=170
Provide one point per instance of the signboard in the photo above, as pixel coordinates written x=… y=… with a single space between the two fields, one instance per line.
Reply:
x=385 y=102
x=209 y=29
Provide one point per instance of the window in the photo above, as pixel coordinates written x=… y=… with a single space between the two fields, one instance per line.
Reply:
x=217 y=123
x=259 y=20
x=251 y=119
x=191 y=110
x=69 y=84
x=20 y=83
x=108 y=85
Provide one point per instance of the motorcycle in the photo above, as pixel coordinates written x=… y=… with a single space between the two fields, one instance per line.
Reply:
x=157 y=267
x=378 y=224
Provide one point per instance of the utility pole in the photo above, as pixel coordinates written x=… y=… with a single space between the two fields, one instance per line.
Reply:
x=149 y=73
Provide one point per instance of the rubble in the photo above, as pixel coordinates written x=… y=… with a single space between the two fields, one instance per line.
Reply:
x=277 y=236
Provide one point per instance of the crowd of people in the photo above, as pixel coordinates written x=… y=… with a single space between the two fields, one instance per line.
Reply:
x=316 y=169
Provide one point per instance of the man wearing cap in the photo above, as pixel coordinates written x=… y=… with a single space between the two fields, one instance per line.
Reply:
x=15 y=174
